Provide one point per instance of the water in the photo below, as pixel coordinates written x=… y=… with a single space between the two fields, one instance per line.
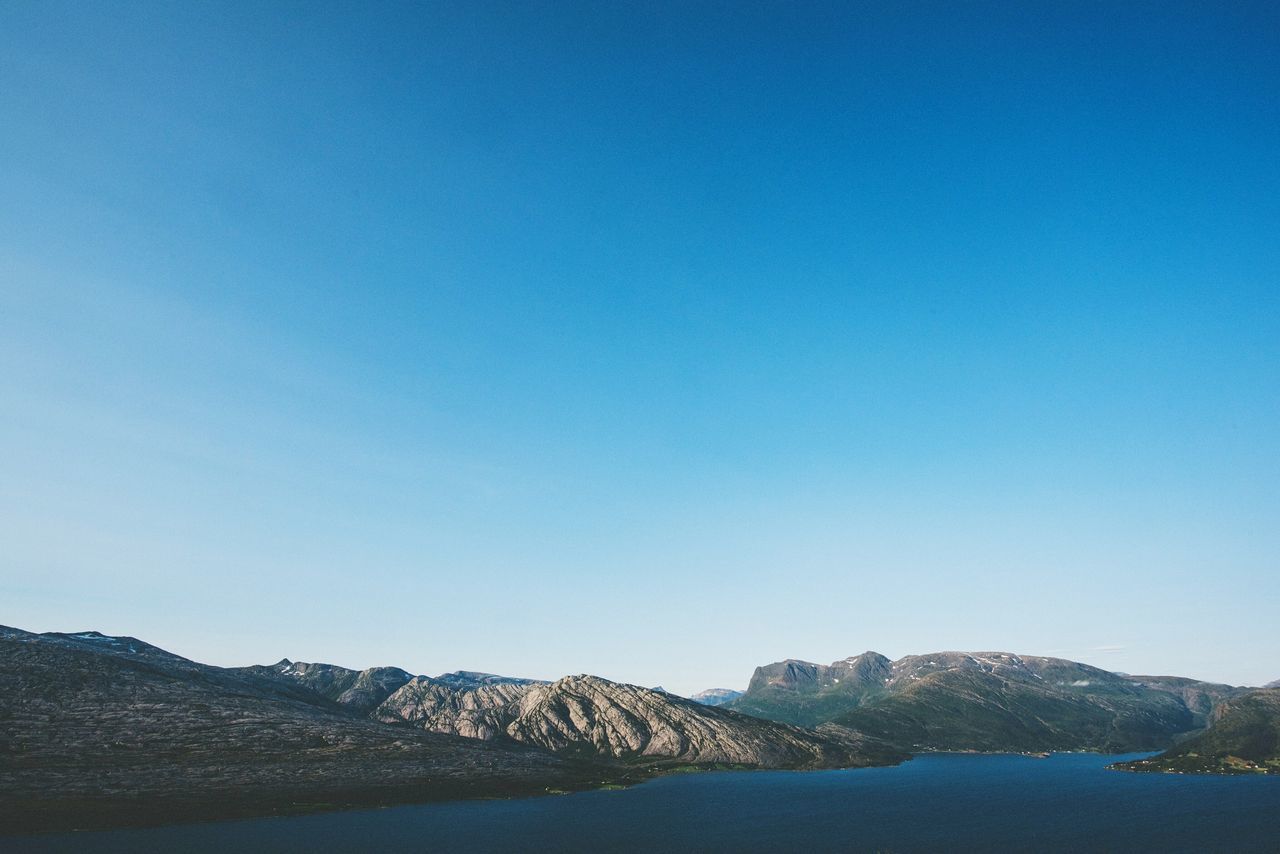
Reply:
x=1067 y=802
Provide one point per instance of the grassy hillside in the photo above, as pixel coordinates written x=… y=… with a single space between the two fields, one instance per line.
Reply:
x=1244 y=738
x=986 y=701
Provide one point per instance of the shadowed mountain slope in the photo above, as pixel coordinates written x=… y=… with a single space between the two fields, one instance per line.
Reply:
x=361 y=691
x=1243 y=738
x=806 y=694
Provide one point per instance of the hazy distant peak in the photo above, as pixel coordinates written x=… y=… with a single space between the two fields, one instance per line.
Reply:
x=716 y=696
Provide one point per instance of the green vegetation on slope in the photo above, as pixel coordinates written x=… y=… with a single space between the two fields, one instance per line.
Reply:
x=1244 y=738
x=970 y=710
x=984 y=701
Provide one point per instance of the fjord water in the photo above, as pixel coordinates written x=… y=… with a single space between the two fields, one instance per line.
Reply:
x=941 y=802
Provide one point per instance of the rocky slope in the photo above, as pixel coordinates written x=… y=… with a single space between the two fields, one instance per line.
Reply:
x=1243 y=738
x=361 y=691
x=479 y=711
x=586 y=715
x=807 y=694
x=989 y=701
x=716 y=696
x=98 y=730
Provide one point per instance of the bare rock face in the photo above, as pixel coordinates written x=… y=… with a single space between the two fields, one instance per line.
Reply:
x=593 y=716
x=371 y=687
x=478 y=711
x=360 y=691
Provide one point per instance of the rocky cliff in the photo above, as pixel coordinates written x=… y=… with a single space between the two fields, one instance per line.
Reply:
x=587 y=715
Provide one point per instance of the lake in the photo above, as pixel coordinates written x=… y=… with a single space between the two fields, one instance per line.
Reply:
x=950 y=802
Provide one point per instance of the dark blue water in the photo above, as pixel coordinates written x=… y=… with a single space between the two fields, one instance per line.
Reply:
x=1067 y=802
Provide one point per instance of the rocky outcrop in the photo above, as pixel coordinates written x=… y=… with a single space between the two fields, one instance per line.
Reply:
x=360 y=691
x=478 y=711
x=587 y=715
x=612 y=719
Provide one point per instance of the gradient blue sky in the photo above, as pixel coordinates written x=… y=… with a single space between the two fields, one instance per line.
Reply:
x=651 y=341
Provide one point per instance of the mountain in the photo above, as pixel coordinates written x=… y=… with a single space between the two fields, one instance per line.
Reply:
x=1243 y=737
x=587 y=715
x=98 y=730
x=716 y=696
x=985 y=701
x=440 y=706
x=1275 y=684
x=1200 y=698
x=807 y=694
x=362 y=691
x=474 y=679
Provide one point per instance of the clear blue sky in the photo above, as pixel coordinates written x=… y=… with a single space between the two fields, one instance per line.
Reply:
x=651 y=341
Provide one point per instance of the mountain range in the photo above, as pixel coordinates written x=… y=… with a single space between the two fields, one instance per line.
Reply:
x=984 y=701
x=1242 y=738
x=98 y=730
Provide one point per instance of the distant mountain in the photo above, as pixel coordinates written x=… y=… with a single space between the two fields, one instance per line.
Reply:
x=98 y=730
x=362 y=691
x=1243 y=738
x=474 y=679
x=988 y=701
x=1200 y=698
x=807 y=694
x=1275 y=684
x=587 y=715
x=716 y=696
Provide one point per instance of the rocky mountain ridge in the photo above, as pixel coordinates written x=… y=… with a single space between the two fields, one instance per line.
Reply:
x=990 y=701
x=101 y=730
x=98 y=731
x=588 y=714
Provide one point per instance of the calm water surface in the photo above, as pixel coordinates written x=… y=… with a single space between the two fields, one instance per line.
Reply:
x=1067 y=802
